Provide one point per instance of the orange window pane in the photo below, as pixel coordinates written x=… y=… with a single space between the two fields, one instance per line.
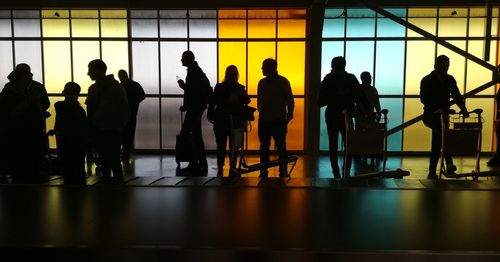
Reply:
x=262 y=14
x=291 y=64
x=292 y=13
x=232 y=53
x=257 y=52
x=232 y=24
x=261 y=28
x=252 y=142
x=291 y=28
x=416 y=137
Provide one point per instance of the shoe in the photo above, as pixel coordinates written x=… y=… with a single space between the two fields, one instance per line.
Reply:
x=432 y=176
x=451 y=168
x=263 y=175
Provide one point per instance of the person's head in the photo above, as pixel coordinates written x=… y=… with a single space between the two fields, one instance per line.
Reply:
x=123 y=76
x=366 y=78
x=269 y=67
x=71 y=91
x=442 y=64
x=187 y=58
x=97 y=69
x=338 y=64
x=21 y=74
x=232 y=75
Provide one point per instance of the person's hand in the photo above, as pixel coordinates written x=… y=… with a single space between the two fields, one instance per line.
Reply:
x=464 y=113
x=182 y=109
x=181 y=83
x=52 y=132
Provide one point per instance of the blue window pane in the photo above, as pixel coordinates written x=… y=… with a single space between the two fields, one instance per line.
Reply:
x=388 y=28
x=323 y=133
x=360 y=12
x=334 y=12
x=330 y=49
x=399 y=12
x=361 y=27
x=395 y=116
x=389 y=68
x=359 y=57
x=333 y=27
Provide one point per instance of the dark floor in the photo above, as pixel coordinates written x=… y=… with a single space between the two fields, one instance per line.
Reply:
x=158 y=216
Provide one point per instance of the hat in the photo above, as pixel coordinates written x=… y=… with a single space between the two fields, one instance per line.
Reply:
x=20 y=70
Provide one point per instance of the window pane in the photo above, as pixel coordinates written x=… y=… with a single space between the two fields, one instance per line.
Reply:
x=26 y=14
x=202 y=28
x=85 y=27
x=206 y=55
x=30 y=52
x=427 y=24
x=452 y=27
x=388 y=28
x=51 y=120
x=395 y=118
x=232 y=53
x=334 y=27
x=417 y=137
x=291 y=64
x=291 y=28
x=5 y=14
x=173 y=28
x=55 y=27
x=144 y=28
x=292 y=13
x=477 y=75
x=145 y=65
x=171 y=66
x=26 y=28
x=115 y=54
x=55 y=14
x=257 y=52
x=329 y=51
x=5 y=28
x=143 y=14
x=7 y=64
x=57 y=65
x=170 y=121
x=113 y=13
x=323 y=132
x=83 y=53
x=147 y=134
x=113 y=28
x=334 y=12
x=419 y=63
x=359 y=57
x=202 y=14
x=261 y=23
x=389 y=68
x=84 y=14
x=252 y=142
x=173 y=14
x=208 y=133
x=360 y=27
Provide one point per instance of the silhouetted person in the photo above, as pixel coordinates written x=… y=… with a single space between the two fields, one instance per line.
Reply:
x=435 y=91
x=23 y=102
x=370 y=93
x=71 y=129
x=495 y=160
x=135 y=95
x=108 y=112
x=226 y=105
x=197 y=92
x=275 y=104
x=339 y=91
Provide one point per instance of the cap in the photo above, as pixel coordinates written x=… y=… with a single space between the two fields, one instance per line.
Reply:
x=20 y=70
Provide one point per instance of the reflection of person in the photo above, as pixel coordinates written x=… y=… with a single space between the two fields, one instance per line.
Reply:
x=435 y=91
x=275 y=104
x=135 y=95
x=23 y=103
x=197 y=92
x=226 y=105
x=339 y=91
x=108 y=112
x=71 y=129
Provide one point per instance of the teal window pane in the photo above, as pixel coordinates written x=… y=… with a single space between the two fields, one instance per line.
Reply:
x=395 y=116
x=334 y=12
x=360 y=12
x=359 y=57
x=399 y=12
x=323 y=133
x=333 y=27
x=388 y=28
x=360 y=27
x=330 y=49
x=389 y=67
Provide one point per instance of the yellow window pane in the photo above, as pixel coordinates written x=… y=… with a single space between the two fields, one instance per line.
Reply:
x=83 y=53
x=114 y=28
x=452 y=27
x=257 y=52
x=477 y=26
x=85 y=27
x=57 y=65
x=261 y=28
x=55 y=13
x=488 y=106
x=232 y=28
x=416 y=137
x=478 y=75
x=419 y=63
x=261 y=14
x=291 y=64
x=295 y=135
x=453 y=12
x=232 y=53
x=427 y=24
x=55 y=27
x=84 y=14
x=422 y=12
x=457 y=62
x=115 y=55
x=291 y=28
x=113 y=13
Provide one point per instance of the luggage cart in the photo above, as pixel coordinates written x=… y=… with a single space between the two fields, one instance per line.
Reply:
x=462 y=136
x=366 y=136
x=238 y=150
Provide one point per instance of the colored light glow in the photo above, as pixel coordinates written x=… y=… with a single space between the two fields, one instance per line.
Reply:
x=488 y=106
x=291 y=64
x=232 y=53
x=389 y=67
x=57 y=65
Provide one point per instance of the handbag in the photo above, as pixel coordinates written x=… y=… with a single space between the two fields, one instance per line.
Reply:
x=248 y=113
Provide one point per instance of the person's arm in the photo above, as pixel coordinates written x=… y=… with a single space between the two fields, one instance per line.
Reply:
x=290 y=103
x=424 y=91
x=141 y=94
x=377 y=100
x=457 y=97
x=213 y=103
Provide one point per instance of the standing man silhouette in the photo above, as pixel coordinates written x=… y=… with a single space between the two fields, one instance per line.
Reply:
x=135 y=95
x=275 y=104
x=435 y=91
x=197 y=93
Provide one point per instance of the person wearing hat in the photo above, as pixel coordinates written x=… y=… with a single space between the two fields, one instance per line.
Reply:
x=23 y=105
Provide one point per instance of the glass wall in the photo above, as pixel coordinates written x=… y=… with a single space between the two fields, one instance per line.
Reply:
x=58 y=44
x=398 y=58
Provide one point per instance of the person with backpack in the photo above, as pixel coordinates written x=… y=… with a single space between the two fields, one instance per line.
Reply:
x=197 y=93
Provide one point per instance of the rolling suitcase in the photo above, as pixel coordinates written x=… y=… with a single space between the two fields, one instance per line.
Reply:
x=184 y=147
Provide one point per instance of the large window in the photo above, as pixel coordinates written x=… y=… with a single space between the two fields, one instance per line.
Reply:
x=58 y=44
x=398 y=58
